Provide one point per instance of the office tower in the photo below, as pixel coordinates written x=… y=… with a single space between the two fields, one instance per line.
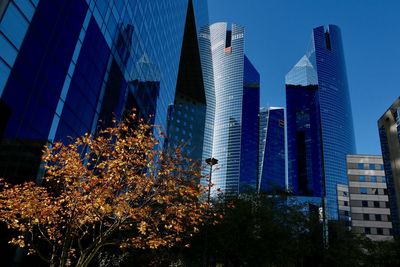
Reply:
x=237 y=96
x=187 y=115
x=369 y=202
x=389 y=134
x=66 y=64
x=319 y=120
x=271 y=151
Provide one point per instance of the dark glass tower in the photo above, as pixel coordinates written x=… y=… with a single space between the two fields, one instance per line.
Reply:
x=389 y=134
x=320 y=125
x=272 y=157
x=67 y=64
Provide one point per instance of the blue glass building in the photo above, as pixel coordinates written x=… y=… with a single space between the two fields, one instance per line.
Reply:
x=389 y=134
x=319 y=119
x=68 y=66
x=237 y=98
x=271 y=152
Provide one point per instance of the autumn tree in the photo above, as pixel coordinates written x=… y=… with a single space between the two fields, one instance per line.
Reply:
x=115 y=188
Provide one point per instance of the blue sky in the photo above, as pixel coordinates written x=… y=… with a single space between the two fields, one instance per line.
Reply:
x=277 y=35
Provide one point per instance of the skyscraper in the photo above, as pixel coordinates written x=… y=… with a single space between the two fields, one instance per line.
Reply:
x=67 y=64
x=319 y=119
x=237 y=96
x=271 y=151
x=389 y=134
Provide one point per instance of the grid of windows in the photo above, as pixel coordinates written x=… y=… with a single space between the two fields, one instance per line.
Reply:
x=389 y=134
x=271 y=150
x=59 y=60
x=333 y=121
x=236 y=81
x=368 y=197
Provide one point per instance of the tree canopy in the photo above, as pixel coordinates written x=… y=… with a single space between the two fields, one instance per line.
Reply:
x=115 y=188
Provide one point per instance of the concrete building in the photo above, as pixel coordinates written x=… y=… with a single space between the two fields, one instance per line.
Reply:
x=369 y=202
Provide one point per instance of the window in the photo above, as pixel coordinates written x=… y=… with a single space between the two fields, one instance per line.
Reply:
x=9 y=53
x=14 y=25
x=367 y=230
x=3 y=5
x=346 y=213
x=373 y=179
x=378 y=217
x=362 y=178
x=376 y=204
x=379 y=231
x=366 y=217
x=372 y=166
x=346 y=203
x=363 y=190
x=364 y=203
x=374 y=191
x=386 y=204
x=383 y=179
x=360 y=166
x=385 y=191
x=4 y=72
x=382 y=167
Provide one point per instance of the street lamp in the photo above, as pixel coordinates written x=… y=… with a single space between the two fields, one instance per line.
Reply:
x=211 y=162
x=206 y=258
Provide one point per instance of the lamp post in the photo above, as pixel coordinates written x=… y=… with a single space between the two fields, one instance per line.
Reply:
x=211 y=162
x=206 y=259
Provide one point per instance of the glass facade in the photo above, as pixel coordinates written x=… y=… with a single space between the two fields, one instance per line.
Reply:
x=66 y=64
x=389 y=132
x=249 y=136
x=305 y=170
x=236 y=85
x=272 y=157
x=321 y=78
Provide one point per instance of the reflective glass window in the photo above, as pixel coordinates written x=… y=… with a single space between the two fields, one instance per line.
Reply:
x=362 y=178
x=363 y=190
x=3 y=6
x=4 y=72
x=35 y=2
x=8 y=52
x=360 y=165
x=14 y=25
x=372 y=166
x=26 y=7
